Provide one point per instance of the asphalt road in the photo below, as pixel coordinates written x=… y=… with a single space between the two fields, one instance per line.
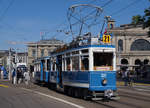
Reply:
x=35 y=96
x=19 y=98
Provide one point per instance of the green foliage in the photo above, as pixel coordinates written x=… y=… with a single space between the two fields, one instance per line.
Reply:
x=147 y=18
x=144 y=20
x=137 y=20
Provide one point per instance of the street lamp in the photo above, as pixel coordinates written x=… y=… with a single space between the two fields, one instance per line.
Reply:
x=9 y=74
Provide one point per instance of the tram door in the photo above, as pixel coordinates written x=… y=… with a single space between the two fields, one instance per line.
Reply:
x=59 y=68
x=42 y=70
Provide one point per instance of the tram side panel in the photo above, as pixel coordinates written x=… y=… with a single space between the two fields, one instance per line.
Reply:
x=76 y=79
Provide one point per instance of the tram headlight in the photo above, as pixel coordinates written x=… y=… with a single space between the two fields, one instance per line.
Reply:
x=104 y=81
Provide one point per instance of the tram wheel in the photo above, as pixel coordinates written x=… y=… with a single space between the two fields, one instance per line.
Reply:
x=76 y=93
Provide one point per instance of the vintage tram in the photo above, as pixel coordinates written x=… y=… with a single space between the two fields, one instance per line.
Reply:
x=82 y=69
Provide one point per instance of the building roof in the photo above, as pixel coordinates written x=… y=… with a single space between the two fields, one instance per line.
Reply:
x=130 y=30
x=50 y=41
x=47 y=42
x=4 y=53
x=128 y=26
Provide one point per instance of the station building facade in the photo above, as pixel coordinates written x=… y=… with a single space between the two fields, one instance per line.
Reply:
x=132 y=44
x=41 y=48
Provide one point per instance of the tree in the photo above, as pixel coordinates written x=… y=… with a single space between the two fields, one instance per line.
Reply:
x=144 y=20
x=137 y=20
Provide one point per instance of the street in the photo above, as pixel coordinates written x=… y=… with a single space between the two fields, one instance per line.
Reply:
x=72 y=53
x=35 y=96
x=11 y=97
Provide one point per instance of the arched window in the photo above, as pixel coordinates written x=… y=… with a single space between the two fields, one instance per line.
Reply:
x=140 y=45
x=124 y=61
x=138 y=62
x=146 y=61
x=120 y=45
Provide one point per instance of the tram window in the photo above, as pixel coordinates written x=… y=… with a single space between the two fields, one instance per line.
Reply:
x=84 y=63
x=43 y=63
x=53 y=67
x=35 y=68
x=75 y=63
x=75 y=52
x=103 y=60
x=48 y=64
x=39 y=67
x=63 y=62
x=68 y=64
x=85 y=51
x=68 y=54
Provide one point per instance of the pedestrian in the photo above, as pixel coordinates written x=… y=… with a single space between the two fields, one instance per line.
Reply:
x=125 y=76
x=2 y=72
x=14 y=76
x=19 y=76
x=27 y=77
x=131 y=78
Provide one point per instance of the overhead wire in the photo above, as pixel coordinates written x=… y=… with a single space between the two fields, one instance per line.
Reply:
x=93 y=11
x=58 y=26
x=5 y=11
x=124 y=8
x=107 y=3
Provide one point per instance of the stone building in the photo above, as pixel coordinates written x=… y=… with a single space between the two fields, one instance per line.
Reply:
x=132 y=44
x=3 y=57
x=21 y=58
x=41 y=48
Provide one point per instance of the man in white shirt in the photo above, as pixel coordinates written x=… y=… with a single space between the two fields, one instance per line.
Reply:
x=27 y=77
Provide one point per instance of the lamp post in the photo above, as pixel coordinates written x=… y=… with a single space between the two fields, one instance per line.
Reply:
x=119 y=57
x=36 y=50
x=9 y=74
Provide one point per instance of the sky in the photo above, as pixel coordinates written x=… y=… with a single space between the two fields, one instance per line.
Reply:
x=22 y=21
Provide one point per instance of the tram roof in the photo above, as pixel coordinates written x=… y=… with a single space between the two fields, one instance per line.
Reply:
x=83 y=47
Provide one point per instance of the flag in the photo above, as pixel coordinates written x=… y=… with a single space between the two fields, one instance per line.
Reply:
x=105 y=31
x=41 y=33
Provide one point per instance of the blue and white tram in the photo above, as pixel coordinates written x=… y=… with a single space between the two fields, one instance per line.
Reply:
x=42 y=69
x=87 y=71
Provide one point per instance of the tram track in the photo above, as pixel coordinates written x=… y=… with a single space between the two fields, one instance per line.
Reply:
x=129 y=98
x=134 y=94
x=135 y=97
x=120 y=103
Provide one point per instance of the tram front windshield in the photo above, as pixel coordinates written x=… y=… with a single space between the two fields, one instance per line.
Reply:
x=103 y=61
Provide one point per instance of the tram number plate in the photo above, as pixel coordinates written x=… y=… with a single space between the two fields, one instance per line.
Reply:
x=106 y=38
x=103 y=75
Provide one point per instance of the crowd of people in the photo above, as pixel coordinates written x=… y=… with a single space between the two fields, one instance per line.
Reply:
x=127 y=76
x=20 y=76
x=3 y=72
